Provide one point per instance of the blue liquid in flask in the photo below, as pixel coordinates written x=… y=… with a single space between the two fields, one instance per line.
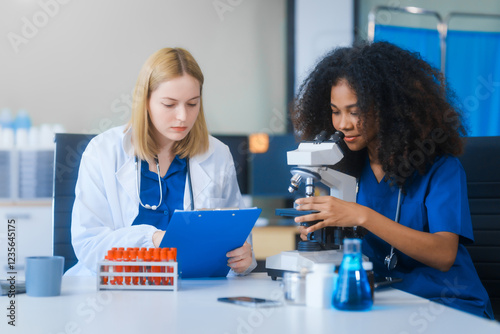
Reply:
x=353 y=288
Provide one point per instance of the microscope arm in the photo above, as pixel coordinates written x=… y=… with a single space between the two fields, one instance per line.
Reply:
x=341 y=185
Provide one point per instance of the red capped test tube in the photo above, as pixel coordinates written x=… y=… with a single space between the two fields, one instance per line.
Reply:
x=172 y=256
x=126 y=268
x=118 y=269
x=141 y=257
x=156 y=269
x=134 y=269
x=164 y=258
x=105 y=269
x=111 y=258
x=148 y=257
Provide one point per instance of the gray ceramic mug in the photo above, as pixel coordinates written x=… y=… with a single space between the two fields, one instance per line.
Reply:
x=44 y=275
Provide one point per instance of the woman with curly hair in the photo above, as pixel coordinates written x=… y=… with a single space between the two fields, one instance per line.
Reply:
x=396 y=110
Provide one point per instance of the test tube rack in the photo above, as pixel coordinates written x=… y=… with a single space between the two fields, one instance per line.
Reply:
x=137 y=275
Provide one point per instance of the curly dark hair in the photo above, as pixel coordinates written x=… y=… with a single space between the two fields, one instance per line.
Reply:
x=405 y=97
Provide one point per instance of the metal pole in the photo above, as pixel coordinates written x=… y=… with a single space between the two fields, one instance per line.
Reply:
x=441 y=25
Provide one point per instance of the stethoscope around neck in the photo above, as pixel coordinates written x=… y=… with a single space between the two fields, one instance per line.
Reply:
x=154 y=207
x=391 y=260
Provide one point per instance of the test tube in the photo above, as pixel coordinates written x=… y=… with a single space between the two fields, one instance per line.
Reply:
x=119 y=269
x=148 y=255
x=127 y=269
x=135 y=269
x=105 y=269
x=141 y=258
x=172 y=255
x=111 y=258
x=164 y=258
x=156 y=269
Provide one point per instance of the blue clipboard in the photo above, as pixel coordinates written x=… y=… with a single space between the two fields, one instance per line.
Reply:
x=203 y=238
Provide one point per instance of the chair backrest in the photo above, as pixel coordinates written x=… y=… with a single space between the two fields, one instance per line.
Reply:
x=238 y=145
x=68 y=153
x=481 y=162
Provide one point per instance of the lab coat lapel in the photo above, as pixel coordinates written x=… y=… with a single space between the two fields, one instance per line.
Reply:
x=200 y=181
x=126 y=176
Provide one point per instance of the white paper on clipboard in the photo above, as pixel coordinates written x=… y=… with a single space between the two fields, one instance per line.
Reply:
x=203 y=237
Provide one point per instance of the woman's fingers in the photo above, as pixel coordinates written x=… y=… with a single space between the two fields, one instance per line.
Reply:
x=240 y=258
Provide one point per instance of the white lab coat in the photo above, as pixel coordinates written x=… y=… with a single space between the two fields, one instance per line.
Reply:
x=106 y=201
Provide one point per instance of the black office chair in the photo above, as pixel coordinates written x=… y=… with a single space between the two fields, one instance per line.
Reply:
x=238 y=146
x=68 y=153
x=481 y=162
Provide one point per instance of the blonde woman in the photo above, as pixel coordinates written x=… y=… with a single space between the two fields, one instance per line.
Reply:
x=133 y=177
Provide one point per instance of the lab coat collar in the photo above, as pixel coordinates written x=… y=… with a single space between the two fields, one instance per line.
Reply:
x=127 y=141
x=125 y=174
x=199 y=158
x=199 y=178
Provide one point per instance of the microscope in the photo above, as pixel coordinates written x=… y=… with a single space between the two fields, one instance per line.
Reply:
x=314 y=161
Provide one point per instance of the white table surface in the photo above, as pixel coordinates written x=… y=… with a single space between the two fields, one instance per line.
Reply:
x=194 y=308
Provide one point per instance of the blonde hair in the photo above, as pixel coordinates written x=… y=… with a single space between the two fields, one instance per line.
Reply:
x=164 y=65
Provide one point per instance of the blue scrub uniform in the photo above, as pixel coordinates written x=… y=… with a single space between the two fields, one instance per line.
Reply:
x=172 y=184
x=434 y=202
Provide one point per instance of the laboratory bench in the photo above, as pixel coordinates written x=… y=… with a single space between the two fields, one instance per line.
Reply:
x=194 y=308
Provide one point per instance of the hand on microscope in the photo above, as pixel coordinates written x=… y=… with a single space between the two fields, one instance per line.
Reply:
x=332 y=212
x=440 y=247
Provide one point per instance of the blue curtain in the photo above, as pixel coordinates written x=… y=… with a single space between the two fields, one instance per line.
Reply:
x=473 y=71
x=424 y=41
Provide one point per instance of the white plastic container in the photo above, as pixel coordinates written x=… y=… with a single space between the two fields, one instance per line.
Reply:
x=320 y=284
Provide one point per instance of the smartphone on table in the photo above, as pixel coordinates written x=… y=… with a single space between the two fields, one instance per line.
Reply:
x=250 y=301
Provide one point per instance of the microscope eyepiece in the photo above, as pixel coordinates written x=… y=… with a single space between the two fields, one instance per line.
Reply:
x=321 y=137
x=337 y=136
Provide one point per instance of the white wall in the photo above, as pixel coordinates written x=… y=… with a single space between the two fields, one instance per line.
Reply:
x=320 y=26
x=75 y=62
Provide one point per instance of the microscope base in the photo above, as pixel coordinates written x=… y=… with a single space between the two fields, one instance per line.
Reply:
x=294 y=261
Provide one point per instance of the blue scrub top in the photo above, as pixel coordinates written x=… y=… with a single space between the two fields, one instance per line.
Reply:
x=173 y=184
x=434 y=202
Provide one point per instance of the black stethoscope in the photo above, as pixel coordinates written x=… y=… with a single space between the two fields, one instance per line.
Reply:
x=154 y=207
x=391 y=260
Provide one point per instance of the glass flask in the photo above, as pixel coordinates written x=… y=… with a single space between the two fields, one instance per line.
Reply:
x=353 y=292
